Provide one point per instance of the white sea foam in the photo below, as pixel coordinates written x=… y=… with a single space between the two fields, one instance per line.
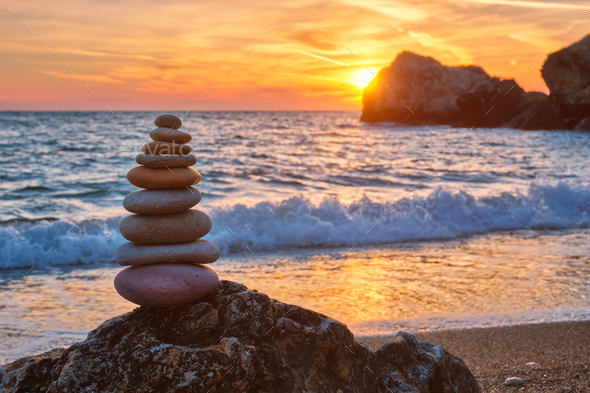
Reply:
x=58 y=243
x=296 y=222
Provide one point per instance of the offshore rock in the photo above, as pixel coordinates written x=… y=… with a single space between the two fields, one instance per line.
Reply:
x=418 y=90
x=541 y=113
x=567 y=74
x=236 y=340
x=583 y=125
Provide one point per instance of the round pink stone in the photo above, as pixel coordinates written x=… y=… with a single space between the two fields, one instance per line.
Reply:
x=165 y=284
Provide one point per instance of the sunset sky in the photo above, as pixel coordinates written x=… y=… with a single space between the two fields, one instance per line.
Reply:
x=154 y=55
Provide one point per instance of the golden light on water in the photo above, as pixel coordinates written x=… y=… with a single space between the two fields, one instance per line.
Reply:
x=371 y=289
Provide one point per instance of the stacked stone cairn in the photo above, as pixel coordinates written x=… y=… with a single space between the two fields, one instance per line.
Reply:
x=165 y=254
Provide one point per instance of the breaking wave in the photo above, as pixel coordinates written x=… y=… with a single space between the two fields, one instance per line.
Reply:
x=298 y=223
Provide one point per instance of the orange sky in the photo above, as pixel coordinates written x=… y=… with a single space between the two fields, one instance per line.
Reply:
x=154 y=55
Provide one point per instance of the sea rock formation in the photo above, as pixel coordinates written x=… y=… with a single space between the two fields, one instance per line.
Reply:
x=236 y=340
x=583 y=125
x=567 y=74
x=418 y=90
x=165 y=253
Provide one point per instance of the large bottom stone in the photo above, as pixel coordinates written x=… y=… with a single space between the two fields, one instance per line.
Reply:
x=236 y=340
x=165 y=284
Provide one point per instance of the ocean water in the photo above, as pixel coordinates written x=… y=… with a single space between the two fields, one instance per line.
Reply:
x=384 y=228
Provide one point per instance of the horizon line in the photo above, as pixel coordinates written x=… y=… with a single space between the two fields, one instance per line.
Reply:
x=158 y=110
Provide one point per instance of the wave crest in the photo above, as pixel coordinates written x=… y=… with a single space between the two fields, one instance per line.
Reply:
x=297 y=223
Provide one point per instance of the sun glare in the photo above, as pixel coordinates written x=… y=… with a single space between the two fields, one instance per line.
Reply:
x=362 y=77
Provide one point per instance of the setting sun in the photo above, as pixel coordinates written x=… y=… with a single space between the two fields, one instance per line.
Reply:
x=362 y=77
x=257 y=57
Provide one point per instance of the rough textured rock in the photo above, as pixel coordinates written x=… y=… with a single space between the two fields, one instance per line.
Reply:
x=567 y=74
x=237 y=340
x=542 y=113
x=418 y=90
x=583 y=125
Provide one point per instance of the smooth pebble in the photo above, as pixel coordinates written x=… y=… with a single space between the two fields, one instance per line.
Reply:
x=198 y=251
x=180 y=227
x=166 y=284
x=157 y=178
x=163 y=148
x=168 y=121
x=169 y=160
x=171 y=200
x=170 y=134
x=513 y=381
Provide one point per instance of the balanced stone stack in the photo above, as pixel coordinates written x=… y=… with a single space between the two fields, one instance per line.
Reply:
x=165 y=254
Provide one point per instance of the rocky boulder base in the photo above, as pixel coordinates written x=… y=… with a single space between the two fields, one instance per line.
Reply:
x=236 y=340
x=418 y=90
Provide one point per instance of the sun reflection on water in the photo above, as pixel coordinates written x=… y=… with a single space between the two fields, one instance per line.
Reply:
x=370 y=289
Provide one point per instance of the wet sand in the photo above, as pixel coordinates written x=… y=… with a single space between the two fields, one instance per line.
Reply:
x=561 y=351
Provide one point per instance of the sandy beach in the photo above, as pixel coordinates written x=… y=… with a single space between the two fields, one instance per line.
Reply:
x=495 y=354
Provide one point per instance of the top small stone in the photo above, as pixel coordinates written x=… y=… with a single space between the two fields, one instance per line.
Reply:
x=168 y=121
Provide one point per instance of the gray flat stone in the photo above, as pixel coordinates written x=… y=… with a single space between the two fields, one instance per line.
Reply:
x=179 y=227
x=198 y=251
x=168 y=200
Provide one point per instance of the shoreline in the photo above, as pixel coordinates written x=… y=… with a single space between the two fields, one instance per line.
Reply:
x=559 y=350
x=447 y=321
x=546 y=356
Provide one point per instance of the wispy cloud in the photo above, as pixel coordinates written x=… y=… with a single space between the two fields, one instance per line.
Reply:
x=428 y=41
x=322 y=58
x=153 y=55
x=533 y=4
x=81 y=77
x=103 y=54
